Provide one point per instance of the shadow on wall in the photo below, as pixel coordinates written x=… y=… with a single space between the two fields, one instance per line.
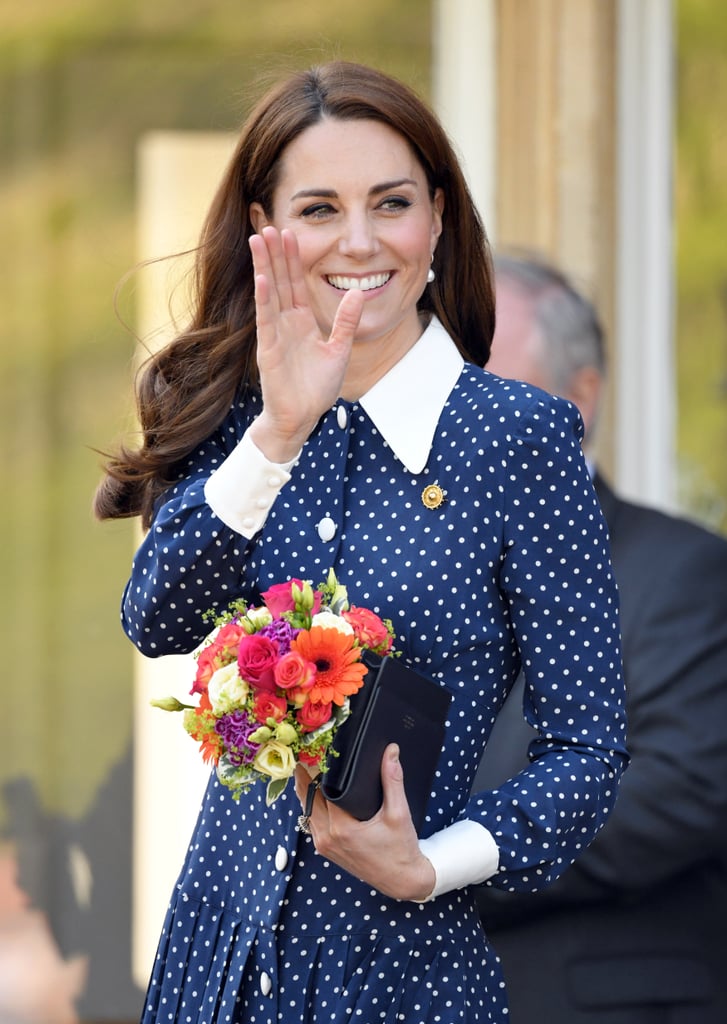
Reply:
x=65 y=908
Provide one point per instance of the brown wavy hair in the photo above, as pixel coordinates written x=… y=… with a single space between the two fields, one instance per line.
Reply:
x=184 y=391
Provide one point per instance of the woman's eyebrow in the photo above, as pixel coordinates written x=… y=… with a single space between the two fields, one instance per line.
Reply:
x=387 y=185
x=330 y=193
x=314 y=193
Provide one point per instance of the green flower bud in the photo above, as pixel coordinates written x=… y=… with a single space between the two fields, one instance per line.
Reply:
x=169 y=704
x=339 y=595
x=286 y=733
x=261 y=735
x=303 y=597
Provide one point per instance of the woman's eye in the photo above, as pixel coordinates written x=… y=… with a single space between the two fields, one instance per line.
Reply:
x=317 y=210
x=395 y=203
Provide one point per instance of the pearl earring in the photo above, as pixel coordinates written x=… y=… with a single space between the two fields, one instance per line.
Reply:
x=430 y=273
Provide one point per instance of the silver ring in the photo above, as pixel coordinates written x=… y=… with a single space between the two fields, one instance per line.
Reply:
x=304 y=819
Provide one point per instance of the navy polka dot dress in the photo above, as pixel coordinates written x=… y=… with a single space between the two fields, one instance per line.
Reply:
x=511 y=568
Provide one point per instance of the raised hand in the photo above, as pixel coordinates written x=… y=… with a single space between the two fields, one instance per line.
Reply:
x=301 y=370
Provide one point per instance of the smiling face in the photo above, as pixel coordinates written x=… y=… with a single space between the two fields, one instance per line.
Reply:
x=358 y=201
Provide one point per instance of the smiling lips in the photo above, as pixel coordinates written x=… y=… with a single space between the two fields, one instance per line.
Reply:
x=364 y=284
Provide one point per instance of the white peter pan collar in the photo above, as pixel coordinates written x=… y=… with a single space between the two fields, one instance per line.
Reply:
x=405 y=405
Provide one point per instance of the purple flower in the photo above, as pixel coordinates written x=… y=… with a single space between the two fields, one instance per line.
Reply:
x=282 y=633
x=235 y=729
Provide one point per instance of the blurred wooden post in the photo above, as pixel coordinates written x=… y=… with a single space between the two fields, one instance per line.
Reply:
x=177 y=174
x=644 y=374
x=579 y=109
x=556 y=144
x=464 y=88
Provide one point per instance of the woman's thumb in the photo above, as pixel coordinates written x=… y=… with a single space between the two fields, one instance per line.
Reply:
x=392 y=777
x=348 y=316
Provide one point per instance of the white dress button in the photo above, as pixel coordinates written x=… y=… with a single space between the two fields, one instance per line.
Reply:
x=327 y=529
x=281 y=858
x=342 y=416
x=266 y=983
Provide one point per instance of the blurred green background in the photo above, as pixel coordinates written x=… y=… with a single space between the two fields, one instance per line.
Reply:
x=81 y=81
x=701 y=257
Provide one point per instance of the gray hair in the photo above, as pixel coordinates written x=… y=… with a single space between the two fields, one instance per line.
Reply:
x=570 y=327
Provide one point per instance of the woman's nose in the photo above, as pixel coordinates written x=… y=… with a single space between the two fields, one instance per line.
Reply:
x=358 y=237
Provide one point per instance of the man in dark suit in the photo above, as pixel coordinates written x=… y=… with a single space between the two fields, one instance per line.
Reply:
x=636 y=931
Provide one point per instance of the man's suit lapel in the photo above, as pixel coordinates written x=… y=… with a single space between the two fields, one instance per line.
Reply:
x=607 y=500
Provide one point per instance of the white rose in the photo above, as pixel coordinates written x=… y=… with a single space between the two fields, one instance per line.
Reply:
x=275 y=760
x=330 y=621
x=226 y=690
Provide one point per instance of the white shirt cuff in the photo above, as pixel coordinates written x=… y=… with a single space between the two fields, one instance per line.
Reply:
x=243 y=489
x=462 y=854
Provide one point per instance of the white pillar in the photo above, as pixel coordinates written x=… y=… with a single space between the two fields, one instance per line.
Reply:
x=645 y=393
x=177 y=175
x=464 y=84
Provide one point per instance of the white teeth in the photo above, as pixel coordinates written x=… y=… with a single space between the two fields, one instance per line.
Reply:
x=364 y=284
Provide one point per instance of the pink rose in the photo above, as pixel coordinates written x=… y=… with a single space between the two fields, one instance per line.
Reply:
x=256 y=660
x=208 y=661
x=269 y=705
x=369 y=629
x=294 y=671
x=220 y=652
x=229 y=637
x=311 y=716
x=279 y=598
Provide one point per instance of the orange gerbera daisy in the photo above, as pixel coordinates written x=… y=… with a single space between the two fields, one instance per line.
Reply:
x=200 y=724
x=339 y=671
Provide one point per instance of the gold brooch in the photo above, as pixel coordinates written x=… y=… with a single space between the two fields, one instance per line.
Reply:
x=433 y=496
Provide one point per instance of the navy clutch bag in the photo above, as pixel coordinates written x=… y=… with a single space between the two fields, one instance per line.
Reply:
x=394 y=705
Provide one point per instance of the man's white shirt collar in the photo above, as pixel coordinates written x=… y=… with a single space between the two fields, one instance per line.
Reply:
x=406 y=404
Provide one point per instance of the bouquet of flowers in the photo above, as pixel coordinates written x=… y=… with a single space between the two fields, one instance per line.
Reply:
x=274 y=682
